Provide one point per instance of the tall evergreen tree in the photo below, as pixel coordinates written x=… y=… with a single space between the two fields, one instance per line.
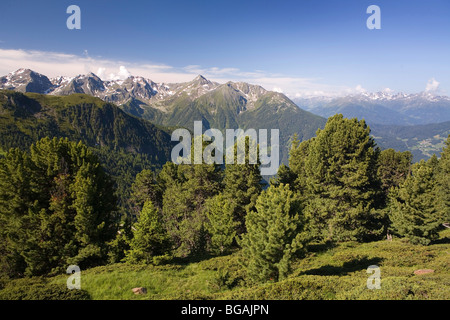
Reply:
x=414 y=206
x=298 y=155
x=146 y=187
x=220 y=224
x=275 y=234
x=150 y=239
x=443 y=180
x=342 y=187
x=242 y=184
x=393 y=168
x=187 y=187
x=121 y=243
x=64 y=209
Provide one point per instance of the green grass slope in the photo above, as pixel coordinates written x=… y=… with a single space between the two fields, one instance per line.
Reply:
x=325 y=273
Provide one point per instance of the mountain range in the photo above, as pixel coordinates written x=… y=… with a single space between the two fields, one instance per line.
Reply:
x=414 y=122
x=383 y=107
x=221 y=106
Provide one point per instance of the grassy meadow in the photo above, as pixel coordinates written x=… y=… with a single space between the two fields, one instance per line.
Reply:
x=325 y=272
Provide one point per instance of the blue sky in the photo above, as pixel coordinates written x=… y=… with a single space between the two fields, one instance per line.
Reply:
x=298 y=47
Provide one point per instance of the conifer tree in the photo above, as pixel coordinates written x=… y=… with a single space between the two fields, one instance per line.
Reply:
x=298 y=155
x=57 y=207
x=242 y=184
x=187 y=187
x=414 y=206
x=443 y=180
x=342 y=187
x=220 y=224
x=150 y=239
x=393 y=168
x=286 y=174
x=274 y=234
x=146 y=187
x=121 y=243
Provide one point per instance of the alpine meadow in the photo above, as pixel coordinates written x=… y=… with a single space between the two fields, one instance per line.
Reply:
x=95 y=203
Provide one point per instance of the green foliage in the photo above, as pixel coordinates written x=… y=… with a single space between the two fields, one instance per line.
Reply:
x=242 y=182
x=325 y=272
x=186 y=189
x=297 y=159
x=124 y=144
x=118 y=247
x=342 y=187
x=220 y=223
x=38 y=288
x=274 y=234
x=123 y=167
x=415 y=210
x=150 y=239
x=393 y=168
x=145 y=188
x=57 y=207
x=443 y=181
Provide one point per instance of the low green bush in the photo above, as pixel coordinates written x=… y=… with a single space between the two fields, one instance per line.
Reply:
x=39 y=288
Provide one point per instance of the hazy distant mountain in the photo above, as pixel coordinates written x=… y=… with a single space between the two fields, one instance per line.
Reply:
x=383 y=108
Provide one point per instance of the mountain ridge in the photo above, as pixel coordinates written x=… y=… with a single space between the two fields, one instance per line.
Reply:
x=383 y=107
x=230 y=105
x=243 y=105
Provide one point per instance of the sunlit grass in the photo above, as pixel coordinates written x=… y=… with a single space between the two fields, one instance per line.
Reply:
x=326 y=272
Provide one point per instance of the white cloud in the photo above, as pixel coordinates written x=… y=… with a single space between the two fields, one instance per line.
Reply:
x=359 y=89
x=54 y=64
x=101 y=73
x=432 y=86
x=276 y=89
x=121 y=75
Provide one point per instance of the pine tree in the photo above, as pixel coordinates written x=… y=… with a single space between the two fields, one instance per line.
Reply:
x=414 y=206
x=286 y=174
x=393 y=168
x=16 y=198
x=298 y=155
x=186 y=189
x=146 y=187
x=220 y=224
x=150 y=239
x=57 y=207
x=443 y=180
x=121 y=243
x=342 y=186
x=242 y=185
x=274 y=234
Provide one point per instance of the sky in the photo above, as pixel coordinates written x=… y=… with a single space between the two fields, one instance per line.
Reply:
x=301 y=48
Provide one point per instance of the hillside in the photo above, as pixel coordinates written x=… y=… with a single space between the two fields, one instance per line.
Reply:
x=125 y=144
x=422 y=140
x=325 y=273
x=26 y=118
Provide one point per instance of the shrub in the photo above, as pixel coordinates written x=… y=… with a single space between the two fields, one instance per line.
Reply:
x=39 y=288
